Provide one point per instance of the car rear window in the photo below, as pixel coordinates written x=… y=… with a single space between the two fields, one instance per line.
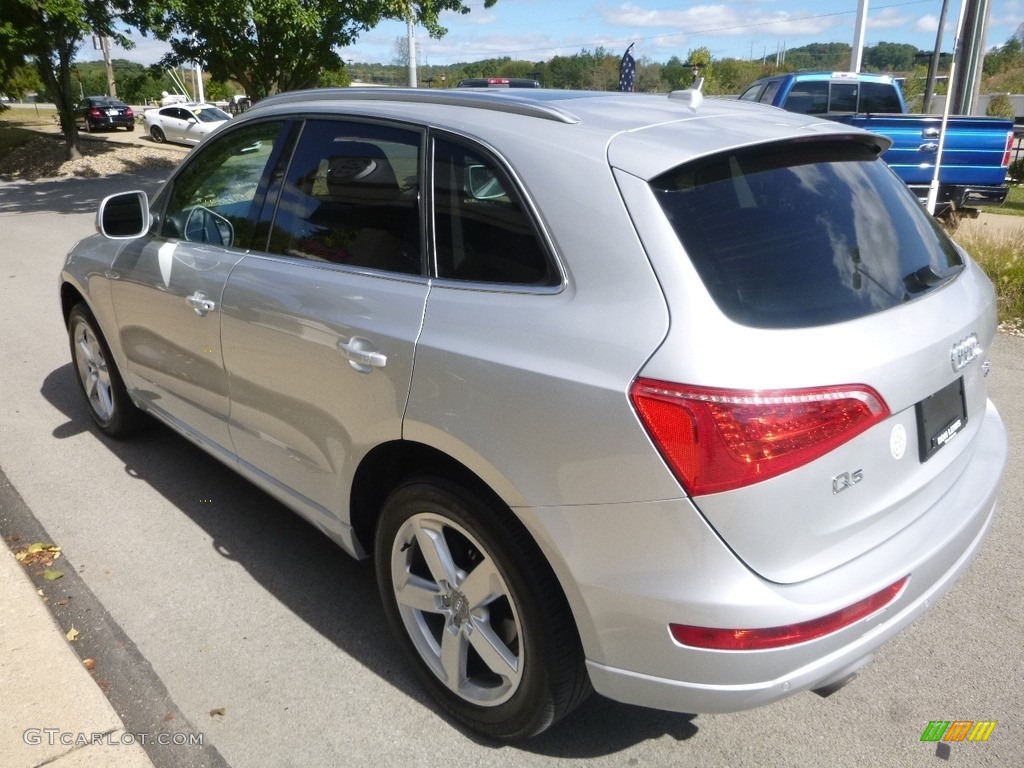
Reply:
x=805 y=233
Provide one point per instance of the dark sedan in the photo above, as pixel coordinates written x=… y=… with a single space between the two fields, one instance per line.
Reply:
x=104 y=113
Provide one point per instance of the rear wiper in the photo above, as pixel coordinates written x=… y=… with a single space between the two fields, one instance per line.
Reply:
x=926 y=278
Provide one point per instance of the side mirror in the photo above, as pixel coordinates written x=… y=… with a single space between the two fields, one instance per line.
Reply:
x=124 y=216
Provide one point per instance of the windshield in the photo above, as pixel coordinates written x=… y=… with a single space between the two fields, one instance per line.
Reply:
x=804 y=234
x=210 y=114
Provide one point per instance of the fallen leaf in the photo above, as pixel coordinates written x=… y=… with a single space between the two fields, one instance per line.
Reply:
x=65 y=601
x=20 y=556
x=51 y=575
x=218 y=711
x=37 y=547
x=89 y=664
x=72 y=634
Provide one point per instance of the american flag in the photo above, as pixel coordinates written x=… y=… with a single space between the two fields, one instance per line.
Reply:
x=627 y=70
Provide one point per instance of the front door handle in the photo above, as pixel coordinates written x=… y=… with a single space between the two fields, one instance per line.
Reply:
x=928 y=148
x=200 y=303
x=362 y=355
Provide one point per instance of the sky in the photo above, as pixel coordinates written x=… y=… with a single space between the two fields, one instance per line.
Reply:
x=536 y=30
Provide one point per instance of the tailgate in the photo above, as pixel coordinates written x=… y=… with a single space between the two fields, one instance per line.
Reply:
x=974 y=152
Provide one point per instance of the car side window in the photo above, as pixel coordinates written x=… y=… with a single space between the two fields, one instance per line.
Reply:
x=213 y=199
x=808 y=98
x=351 y=197
x=879 y=98
x=482 y=230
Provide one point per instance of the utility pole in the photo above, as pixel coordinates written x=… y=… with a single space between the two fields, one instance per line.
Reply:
x=105 y=48
x=857 y=55
x=969 y=56
x=933 y=69
x=411 y=30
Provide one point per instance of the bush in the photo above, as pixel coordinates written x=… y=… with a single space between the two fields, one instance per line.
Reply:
x=1000 y=106
x=1016 y=170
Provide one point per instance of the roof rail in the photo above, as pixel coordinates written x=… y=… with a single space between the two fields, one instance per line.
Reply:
x=516 y=102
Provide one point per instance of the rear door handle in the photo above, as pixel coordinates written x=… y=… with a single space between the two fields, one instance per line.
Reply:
x=200 y=304
x=362 y=355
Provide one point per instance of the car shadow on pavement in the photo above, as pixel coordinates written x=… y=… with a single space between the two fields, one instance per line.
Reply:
x=303 y=569
x=73 y=194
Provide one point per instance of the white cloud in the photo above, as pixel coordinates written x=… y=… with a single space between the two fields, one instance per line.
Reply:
x=927 y=23
x=888 y=18
x=721 y=20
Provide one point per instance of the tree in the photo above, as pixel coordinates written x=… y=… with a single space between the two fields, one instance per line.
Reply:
x=49 y=33
x=269 y=46
x=891 y=57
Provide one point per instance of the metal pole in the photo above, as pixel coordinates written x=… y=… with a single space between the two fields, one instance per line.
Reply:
x=933 y=69
x=857 y=55
x=933 y=188
x=413 y=78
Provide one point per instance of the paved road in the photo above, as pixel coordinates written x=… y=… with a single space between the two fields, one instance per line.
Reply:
x=214 y=596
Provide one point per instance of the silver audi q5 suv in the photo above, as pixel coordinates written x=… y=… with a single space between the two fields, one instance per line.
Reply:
x=681 y=401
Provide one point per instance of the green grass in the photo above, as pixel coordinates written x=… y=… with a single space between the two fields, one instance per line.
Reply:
x=1014 y=204
x=35 y=115
x=1002 y=258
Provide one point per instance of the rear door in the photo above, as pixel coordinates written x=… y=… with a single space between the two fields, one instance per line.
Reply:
x=319 y=330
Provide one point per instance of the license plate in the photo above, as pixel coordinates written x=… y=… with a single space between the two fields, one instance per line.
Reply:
x=940 y=418
x=112 y=112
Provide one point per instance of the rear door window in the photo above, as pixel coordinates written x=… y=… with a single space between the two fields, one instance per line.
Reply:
x=805 y=233
x=352 y=197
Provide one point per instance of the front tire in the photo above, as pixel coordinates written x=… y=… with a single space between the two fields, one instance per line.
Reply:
x=98 y=378
x=477 y=610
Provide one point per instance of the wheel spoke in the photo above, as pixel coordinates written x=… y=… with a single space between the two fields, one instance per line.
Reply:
x=416 y=593
x=453 y=658
x=482 y=585
x=495 y=654
x=438 y=556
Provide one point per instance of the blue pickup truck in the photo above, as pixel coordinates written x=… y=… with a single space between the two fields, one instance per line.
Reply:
x=975 y=153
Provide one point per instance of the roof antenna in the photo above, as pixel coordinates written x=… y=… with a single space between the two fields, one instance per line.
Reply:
x=691 y=95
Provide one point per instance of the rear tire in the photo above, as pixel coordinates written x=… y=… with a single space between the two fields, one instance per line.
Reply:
x=157 y=134
x=98 y=378
x=477 y=610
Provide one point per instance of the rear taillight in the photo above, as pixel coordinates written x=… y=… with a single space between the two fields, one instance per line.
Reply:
x=1009 y=150
x=128 y=112
x=777 y=637
x=721 y=439
x=95 y=112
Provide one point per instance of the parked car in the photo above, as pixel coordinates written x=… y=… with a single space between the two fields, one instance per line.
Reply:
x=103 y=113
x=498 y=82
x=694 y=415
x=183 y=123
x=976 y=150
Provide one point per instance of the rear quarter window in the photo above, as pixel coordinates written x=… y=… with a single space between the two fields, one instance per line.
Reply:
x=804 y=234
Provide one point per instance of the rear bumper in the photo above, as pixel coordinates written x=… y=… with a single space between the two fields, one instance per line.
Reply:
x=963 y=196
x=624 y=608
